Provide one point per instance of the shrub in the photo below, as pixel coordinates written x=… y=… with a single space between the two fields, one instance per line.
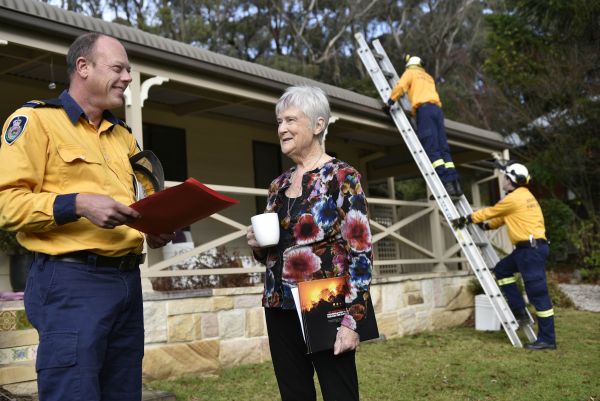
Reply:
x=9 y=244
x=474 y=287
x=558 y=297
x=215 y=258
x=586 y=238
x=590 y=275
x=559 y=219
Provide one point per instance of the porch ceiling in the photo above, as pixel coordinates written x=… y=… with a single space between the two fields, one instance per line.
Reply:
x=33 y=68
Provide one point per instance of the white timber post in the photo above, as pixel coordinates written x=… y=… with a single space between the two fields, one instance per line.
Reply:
x=135 y=96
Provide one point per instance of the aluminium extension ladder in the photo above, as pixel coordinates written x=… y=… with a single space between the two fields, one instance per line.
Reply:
x=475 y=245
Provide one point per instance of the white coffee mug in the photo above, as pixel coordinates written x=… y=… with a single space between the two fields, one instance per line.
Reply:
x=266 y=229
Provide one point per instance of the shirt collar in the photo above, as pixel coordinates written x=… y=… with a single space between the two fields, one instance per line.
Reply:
x=74 y=110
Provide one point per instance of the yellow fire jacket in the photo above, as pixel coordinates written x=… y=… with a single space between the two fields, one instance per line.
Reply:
x=49 y=153
x=420 y=87
x=521 y=213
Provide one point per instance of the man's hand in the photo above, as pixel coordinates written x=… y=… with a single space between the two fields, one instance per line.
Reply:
x=345 y=340
x=462 y=221
x=387 y=105
x=484 y=226
x=104 y=211
x=157 y=241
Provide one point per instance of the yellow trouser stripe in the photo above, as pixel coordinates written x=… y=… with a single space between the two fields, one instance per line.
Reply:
x=545 y=313
x=507 y=280
x=437 y=163
x=449 y=165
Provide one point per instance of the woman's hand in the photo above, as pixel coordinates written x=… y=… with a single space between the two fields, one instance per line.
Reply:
x=252 y=239
x=159 y=240
x=256 y=248
x=345 y=340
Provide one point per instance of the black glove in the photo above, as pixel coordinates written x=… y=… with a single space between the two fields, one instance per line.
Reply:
x=484 y=226
x=461 y=222
x=387 y=105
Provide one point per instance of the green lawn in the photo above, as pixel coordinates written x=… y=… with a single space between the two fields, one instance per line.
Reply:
x=449 y=365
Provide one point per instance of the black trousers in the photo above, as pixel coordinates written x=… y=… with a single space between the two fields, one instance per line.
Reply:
x=294 y=368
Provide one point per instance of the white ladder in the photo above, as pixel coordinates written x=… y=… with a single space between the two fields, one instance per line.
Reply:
x=471 y=239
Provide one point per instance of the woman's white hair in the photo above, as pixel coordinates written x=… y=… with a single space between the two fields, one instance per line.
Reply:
x=311 y=100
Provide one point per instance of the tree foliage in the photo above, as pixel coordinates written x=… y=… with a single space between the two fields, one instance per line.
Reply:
x=544 y=60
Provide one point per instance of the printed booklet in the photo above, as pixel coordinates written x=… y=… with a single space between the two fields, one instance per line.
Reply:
x=321 y=306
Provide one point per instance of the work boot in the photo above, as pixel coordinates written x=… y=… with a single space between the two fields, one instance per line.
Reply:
x=457 y=189
x=539 y=345
x=452 y=190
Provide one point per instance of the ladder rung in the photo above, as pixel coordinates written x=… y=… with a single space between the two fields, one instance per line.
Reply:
x=387 y=74
x=481 y=244
x=378 y=56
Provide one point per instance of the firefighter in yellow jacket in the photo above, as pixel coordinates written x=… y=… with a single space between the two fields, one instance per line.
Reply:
x=522 y=215
x=65 y=185
x=427 y=108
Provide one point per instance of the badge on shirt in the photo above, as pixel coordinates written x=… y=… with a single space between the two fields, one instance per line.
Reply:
x=15 y=128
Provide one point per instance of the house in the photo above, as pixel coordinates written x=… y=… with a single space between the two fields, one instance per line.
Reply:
x=211 y=117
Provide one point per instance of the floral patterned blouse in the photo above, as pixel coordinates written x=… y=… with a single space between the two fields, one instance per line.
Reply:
x=326 y=235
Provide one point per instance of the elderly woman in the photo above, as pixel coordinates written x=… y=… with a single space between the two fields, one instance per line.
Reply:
x=324 y=232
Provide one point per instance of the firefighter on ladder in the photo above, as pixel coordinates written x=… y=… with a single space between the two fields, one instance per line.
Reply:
x=521 y=213
x=427 y=108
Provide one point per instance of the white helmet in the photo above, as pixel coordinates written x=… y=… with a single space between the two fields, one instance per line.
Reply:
x=414 y=60
x=517 y=174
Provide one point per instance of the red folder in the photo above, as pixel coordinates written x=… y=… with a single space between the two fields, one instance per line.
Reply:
x=177 y=207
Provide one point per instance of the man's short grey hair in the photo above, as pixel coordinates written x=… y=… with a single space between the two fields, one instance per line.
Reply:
x=83 y=46
x=311 y=100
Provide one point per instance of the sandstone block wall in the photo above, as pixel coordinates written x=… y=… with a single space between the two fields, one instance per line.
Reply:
x=200 y=332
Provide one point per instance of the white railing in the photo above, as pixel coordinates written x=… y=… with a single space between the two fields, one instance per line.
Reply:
x=379 y=231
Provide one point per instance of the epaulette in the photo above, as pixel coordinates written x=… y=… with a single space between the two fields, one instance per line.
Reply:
x=124 y=125
x=43 y=103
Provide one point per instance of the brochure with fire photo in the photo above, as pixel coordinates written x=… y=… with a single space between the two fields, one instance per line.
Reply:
x=321 y=306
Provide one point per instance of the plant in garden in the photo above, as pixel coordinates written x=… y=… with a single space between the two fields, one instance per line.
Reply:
x=9 y=244
x=218 y=257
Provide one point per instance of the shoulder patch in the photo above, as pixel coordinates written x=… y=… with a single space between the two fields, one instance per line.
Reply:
x=15 y=128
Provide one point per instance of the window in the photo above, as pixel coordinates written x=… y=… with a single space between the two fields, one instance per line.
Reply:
x=269 y=163
x=168 y=143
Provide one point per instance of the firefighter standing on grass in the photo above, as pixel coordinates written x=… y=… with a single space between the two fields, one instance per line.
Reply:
x=521 y=213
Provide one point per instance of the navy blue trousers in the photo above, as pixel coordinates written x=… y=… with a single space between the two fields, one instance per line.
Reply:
x=531 y=263
x=432 y=135
x=91 y=327
x=294 y=368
